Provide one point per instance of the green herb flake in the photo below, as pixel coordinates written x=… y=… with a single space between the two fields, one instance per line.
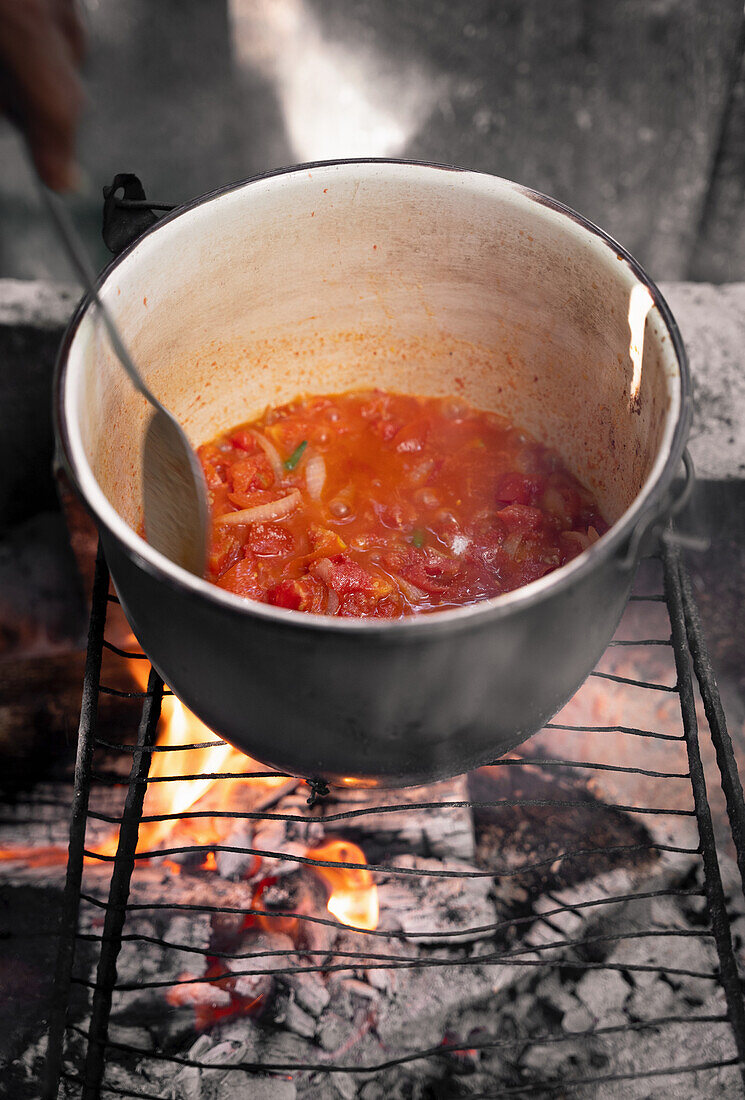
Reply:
x=418 y=538
x=297 y=454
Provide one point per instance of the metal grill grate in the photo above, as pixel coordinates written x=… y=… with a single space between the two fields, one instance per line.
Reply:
x=81 y=1051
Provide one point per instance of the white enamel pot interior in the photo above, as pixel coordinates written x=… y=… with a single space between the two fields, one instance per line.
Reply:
x=415 y=278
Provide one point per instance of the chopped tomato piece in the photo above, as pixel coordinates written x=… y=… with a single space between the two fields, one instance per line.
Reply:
x=521 y=516
x=342 y=574
x=324 y=541
x=242 y=579
x=305 y=594
x=244 y=440
x=252 y=473
x=519 y=489
x=429 y=570
x=286 y=594
x=357 y=604
x=225 y=551
x=269 y=539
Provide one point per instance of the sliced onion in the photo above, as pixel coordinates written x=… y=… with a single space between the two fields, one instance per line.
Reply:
x=263 y=513
x=315 y=475
x=333 y=602
x=412 y=593
x=582 y=540
x=271 y=453
x=323 y=569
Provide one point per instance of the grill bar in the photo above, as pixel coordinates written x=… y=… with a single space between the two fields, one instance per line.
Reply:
x=730 y=778
x=714 y=889
x=118 y=894
x=78 y=819
x=443 y=1049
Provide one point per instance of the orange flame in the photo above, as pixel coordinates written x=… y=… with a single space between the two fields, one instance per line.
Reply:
x=354 y=895
x=165 y=795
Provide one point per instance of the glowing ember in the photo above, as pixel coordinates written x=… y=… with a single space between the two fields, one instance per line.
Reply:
x=270 y=922
x=354 y=895
x=45 y=856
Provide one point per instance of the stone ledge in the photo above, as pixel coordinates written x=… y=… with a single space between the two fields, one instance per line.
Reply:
x=712 y=323
x=36 y=304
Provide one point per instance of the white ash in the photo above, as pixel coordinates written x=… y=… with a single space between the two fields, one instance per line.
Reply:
x=445 y=832
x=456 y=909
x=602 y=992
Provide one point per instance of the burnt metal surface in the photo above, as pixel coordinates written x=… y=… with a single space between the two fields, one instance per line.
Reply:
x=127 y=213
x=592 y=854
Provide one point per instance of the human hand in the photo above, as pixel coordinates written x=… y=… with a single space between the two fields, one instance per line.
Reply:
x=41 y=47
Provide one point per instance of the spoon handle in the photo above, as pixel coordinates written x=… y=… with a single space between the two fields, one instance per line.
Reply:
x=77 y=256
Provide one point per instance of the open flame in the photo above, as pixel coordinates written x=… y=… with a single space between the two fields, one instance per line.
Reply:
x=172 y=796
x=354 y=895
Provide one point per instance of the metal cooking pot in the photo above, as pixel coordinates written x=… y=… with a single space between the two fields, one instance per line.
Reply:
x=412 y=277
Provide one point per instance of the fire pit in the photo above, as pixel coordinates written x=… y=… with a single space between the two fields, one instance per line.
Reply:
x=555 y=923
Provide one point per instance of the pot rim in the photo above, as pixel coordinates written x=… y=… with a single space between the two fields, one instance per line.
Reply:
x=612 y=544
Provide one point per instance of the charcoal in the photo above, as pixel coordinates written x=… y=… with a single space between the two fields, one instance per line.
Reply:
x=364 y=994
x=553 y=991
x=311 y=993
x=383 y=980
x=266 y=955
x=570 y=923
x=334 y=1031
x=372 y=1090
x=549 y=1059
x=603 y=991
x=247 y=1086
x=667 y=913
x=138 y=1037
x=318 y=939
x=670 y=953
x=342 y=1085
x=445 y=833
x=651 y=1002
x=270 y=836
x=236 y=865
x=476 y=1085
x=284 y=1048
x=205 y=1083
x=450 y=908
x=188 y=1083
x=284 y=1011
x=578 y=1019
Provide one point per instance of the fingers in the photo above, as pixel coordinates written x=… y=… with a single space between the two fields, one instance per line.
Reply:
x=42 y=90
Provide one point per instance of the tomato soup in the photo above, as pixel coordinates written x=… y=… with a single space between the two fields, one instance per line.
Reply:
x=381 y=504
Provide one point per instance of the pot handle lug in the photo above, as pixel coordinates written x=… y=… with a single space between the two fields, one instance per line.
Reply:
x=656 y=527
x=127 y=213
